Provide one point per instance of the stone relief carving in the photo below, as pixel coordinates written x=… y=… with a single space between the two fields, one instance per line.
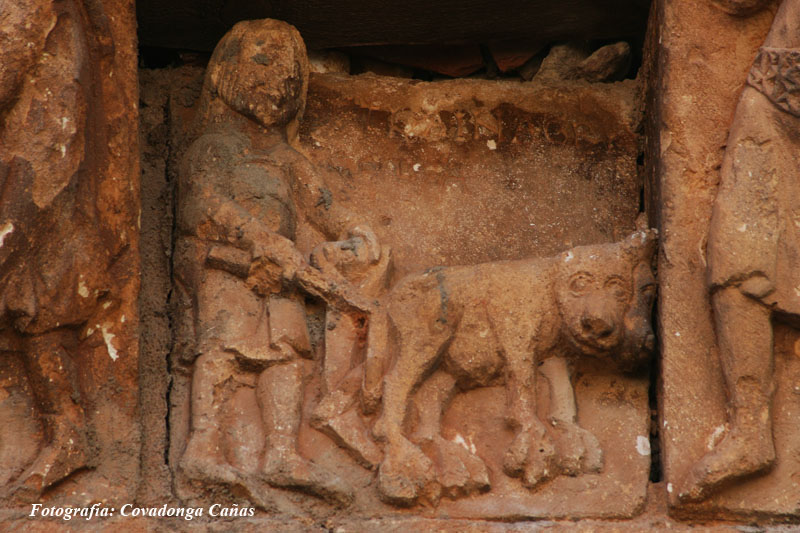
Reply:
x=472 y=326
x=46 y=292
x=376 y=368
x=753 y=252
x=241 y=186
x=67 y=249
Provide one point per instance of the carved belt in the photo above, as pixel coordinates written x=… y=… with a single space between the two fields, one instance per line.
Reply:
x=776 y=74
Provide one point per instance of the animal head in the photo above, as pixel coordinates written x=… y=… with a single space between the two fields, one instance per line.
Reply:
x=605 y=297
x=359 y=259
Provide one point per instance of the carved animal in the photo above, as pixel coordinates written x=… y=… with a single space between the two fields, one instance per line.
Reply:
x=458 y=328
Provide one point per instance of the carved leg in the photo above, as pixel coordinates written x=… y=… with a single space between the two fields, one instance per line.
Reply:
x=531 y=455
x=375 y=362
x=406 y=471
x=202 y=459
x=578 y=450
x=461 y=472
x=53 y=380
x=744 y=332
x=280 y=395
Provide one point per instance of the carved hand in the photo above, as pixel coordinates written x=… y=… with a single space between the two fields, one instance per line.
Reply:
x=280 y=251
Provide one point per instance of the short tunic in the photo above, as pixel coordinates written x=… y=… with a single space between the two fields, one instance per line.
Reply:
x=755 y=227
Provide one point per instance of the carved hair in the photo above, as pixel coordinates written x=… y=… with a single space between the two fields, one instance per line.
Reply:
x=259 y=69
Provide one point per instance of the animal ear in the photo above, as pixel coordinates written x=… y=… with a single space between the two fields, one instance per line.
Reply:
x=641 y=245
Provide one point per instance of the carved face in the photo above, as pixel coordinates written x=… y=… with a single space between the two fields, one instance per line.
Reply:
x=605 y=296
x=260 y=69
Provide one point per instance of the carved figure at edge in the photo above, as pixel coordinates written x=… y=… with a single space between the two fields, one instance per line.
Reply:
x=52 y=280
x=754 y=250
x=241 y=185
x=457 y=328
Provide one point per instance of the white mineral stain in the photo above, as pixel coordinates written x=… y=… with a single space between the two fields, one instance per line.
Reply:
x=416 y=167
x=82 y=289
x=714 y=438
x=569 y=257
x=642 y=445
x=669 y=488
x=467 y=444
x=107 y=338
x=5 y=231
x=491 y=144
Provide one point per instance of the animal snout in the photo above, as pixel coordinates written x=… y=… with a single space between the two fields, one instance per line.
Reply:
x=597 y=325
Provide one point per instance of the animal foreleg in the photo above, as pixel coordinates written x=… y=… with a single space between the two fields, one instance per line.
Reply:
x=531 y=454
x=578 y=450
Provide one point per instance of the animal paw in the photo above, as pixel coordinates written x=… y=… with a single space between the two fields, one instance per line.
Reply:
x=579 y=450
x=517 y=454
x=406 y=474
x=541 y=464
x=461 y=472
x=531 y=456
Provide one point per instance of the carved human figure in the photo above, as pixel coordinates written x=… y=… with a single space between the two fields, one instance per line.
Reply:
x=52 y=256
x=754 y=250
x=464 y=327
x=241 y=187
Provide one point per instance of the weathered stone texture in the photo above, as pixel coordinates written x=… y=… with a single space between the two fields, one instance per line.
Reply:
x=468 y=171
x=428 y=175
x=69 y=258
x=704 y=58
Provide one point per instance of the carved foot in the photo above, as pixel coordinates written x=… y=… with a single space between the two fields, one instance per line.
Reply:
x=461 y=472
x=737 y=456
x=65 y=454
x=405 y=474
x=284 y=468
x=579 y=451
x=531 y=456
x=337 y=417
x=199 y=461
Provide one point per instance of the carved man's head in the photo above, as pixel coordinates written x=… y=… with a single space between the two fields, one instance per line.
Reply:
x=605 y=296
x=260 y=69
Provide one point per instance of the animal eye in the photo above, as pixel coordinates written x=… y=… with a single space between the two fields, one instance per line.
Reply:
x=580 y=283
x=617 y=289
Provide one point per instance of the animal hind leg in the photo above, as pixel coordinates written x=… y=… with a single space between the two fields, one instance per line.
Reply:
x=406 y=471
x=460 y=471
